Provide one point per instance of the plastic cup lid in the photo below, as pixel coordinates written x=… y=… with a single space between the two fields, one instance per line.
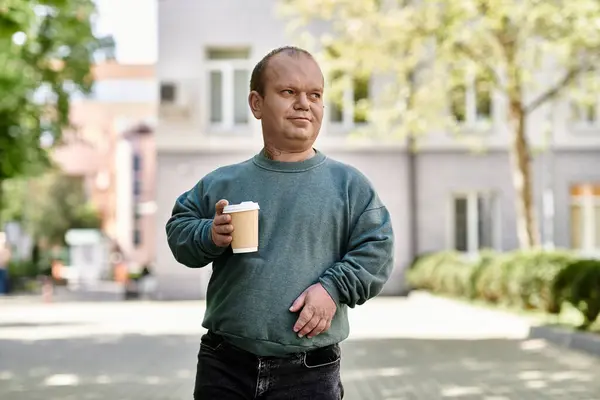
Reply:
x=243 y=206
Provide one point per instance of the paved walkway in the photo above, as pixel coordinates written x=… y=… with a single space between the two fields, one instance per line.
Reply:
x=422 y=348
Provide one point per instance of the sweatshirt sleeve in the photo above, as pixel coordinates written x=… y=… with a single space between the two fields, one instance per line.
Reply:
x=189 y=231
x=368 y=263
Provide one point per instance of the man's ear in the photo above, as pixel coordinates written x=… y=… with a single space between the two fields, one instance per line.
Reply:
x=255 y=100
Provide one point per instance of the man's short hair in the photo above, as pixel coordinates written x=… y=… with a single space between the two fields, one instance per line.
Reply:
x=257 y=80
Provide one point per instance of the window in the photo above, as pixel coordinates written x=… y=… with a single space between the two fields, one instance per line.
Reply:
x=585 y=102
x=350 y=108
x=137 y=228
x=167 y=92
x=137 y=237
x=471 y=103
x=228 y=82
x=137 y=188
x=474 y=219
x=585 y=113
x=585 y=217
x=137 y=172
x=137 y=162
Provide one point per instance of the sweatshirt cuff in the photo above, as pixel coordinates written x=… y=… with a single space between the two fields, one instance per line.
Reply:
x=207 y=244
x=330 y=286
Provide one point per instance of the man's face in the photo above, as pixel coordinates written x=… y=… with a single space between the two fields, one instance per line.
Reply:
x=291 y=110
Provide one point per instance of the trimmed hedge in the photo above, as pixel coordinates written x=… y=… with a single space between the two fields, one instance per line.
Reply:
x=531 y=280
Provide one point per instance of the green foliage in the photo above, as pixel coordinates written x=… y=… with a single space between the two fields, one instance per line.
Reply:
x=46 y=53
x=13 y=192
x=63 y=206
x=530 y=280
x=579 y=284
x=428 y=50
x=22 y=269
x=50 y=205
x=428 y=57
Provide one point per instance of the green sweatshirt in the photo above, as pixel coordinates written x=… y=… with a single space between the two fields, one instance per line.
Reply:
x=319 y=221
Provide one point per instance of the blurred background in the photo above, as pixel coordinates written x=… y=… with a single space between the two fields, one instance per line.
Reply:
x=478 y=122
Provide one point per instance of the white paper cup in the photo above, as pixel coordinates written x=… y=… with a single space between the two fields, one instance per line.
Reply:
x=244 y=218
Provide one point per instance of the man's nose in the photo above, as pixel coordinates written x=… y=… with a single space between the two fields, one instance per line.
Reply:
x=302 y=102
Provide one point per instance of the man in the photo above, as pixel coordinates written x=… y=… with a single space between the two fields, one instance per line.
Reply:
x=275 y=317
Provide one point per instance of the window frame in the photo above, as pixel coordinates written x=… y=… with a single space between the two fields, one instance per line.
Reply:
x=472 y=198
x=348 y=106
x=472 y=121
x=227 y=69
x=588 y=201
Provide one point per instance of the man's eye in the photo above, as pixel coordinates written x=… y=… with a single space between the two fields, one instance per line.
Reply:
x=288 y=91
x=316 y=95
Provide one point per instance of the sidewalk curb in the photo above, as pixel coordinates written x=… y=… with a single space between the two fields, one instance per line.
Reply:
x=585 y=342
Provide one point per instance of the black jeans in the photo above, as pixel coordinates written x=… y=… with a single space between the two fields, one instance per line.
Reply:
x=226 y=372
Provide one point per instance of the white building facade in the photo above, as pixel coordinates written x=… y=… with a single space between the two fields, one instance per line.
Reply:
x=451 y=199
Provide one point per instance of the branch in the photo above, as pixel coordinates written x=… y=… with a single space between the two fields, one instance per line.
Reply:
x=480 y=60
x=553 y=91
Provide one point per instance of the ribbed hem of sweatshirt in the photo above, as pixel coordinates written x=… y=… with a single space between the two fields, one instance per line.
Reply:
x=262 y=161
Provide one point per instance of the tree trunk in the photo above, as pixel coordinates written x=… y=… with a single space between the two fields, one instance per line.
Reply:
x=527 y=227
x=413 y=189
x=413 y=236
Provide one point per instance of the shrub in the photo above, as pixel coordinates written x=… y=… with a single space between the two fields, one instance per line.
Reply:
x=490 y=283
x=530 y=278
x=534 y=279
x=424 y=273
x=579 y=284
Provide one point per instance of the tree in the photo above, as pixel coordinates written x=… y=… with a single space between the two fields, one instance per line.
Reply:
x=46 y=52
x=63 y=206
x=528 y=51
x=59 y=203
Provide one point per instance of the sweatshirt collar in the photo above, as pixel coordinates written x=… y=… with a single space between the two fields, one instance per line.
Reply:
x=262 y=161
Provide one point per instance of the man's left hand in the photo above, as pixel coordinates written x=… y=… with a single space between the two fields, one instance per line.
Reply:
x=318 y=309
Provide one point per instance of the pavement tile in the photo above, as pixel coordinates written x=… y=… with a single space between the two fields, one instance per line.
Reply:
x=400 y=349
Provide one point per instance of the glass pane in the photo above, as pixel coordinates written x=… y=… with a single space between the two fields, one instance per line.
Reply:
x=591 y=112
x=460 y=224
x=483 y=99
x=137 y=162
x=216 y=96
x=241 y=83
x=137 y=237
x=335 y=107
x=577 y=227
x=361 y=92
x=485 y=224
x=458 y=103
x=597 y=227
x=336 y=113
x=584 y=111
x=576 y=115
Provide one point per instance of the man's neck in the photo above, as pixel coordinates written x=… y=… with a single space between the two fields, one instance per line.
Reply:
x=272 y=153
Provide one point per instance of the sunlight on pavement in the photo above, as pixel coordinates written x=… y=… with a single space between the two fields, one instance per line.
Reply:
x=399 y=349
x=62 y=380
x=369 y=373
x=432 y=318
x=458 y=391
x=6 y=375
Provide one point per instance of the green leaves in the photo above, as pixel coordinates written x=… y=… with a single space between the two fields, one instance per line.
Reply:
x=46 y=53
x=49 y=205
x=429 y=48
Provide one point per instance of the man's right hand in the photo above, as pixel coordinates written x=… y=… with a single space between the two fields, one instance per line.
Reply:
x=221 y=227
